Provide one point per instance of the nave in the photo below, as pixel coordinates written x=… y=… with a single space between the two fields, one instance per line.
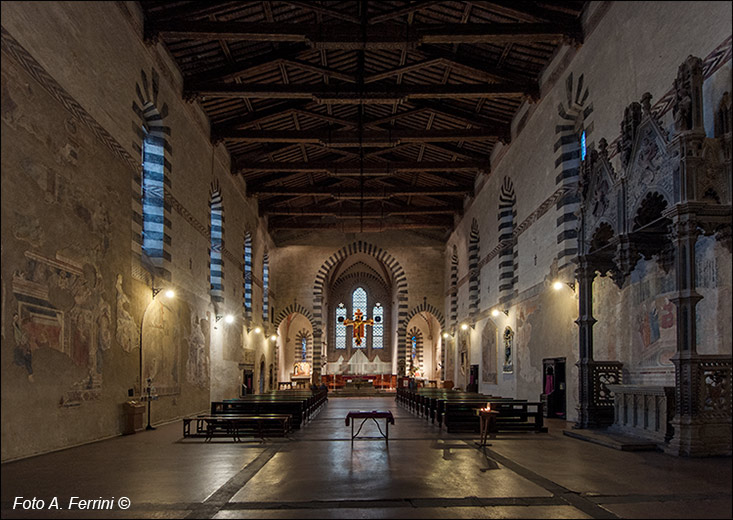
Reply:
x=423 y=472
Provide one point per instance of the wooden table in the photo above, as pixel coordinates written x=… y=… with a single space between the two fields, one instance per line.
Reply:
x=488 y=424
x=365 y=416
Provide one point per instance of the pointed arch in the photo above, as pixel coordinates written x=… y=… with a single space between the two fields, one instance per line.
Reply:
x=291 y=309
x=572 y=133
x=400 y=283
x=151 y=223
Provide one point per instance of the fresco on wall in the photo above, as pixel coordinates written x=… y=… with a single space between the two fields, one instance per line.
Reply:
x=713 y=311
x=653 y=319
x=197 y=365
x=127 y=332
x=508 y=350
x=161 y=339
x=488 y=353
x=61 y=306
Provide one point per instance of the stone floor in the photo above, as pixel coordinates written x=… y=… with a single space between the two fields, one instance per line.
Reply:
x=317 y=473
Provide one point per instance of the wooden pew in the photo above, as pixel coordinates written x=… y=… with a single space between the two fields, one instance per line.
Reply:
x=514 y=415
x=234 y=425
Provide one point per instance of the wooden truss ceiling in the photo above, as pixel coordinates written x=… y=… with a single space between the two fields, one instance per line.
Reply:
x=361 y=115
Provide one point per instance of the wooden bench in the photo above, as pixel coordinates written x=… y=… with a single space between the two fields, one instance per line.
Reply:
x=514 y=415
x=234 y=425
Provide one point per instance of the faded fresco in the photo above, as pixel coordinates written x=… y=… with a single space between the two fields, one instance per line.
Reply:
x=488 y=353
x=61 y=306
x=653 y=320
x=161 y=347
x=197 y=364
x=128 y=334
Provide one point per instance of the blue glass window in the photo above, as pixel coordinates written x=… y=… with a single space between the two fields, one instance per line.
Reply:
x=582 y=146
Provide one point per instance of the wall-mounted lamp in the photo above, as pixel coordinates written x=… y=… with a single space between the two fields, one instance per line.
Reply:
x=496 y=312
x=446 y=335
x=273 y=338
x=257 y=330
x=227 y=319
x=559 y=285
x=464 y=326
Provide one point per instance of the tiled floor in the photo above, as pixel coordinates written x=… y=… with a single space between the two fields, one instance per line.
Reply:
x=317 y=473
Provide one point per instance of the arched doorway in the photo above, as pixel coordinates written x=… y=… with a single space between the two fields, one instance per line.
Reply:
x=294 y=348
x=424 y=346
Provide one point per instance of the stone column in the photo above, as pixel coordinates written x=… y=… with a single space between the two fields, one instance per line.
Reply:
x=687 y=439
x=585 y=273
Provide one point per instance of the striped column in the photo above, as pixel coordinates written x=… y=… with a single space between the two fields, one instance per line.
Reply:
x=473 y=269
x=247 y=281
x=454 y=288
x=574 y=123
x=507 y=257
x=216 y=263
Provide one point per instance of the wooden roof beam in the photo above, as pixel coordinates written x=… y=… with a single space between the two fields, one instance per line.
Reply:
x=340 y=94
x=368 y=138
x=349 y=36
x=356 y=227
x=237 y=69
x=370 y=193
x=355 y=167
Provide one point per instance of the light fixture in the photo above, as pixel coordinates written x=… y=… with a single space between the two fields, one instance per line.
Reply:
x=558 y=285
x=495 y=313
x=446 y=335
x=273 y=338
x=170 y=293
x=257 y=330
x=464 y=326
x=229 y=318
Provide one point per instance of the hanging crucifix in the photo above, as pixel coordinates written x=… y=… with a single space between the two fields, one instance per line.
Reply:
x=359 y=325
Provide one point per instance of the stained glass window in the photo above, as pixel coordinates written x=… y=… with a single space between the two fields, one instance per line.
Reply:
x=340 y=327
x=248 y=273
x=359 y=302
x=413 y=341
x=265 y=287
x=582 y=146
x=378 y=328
x=304 y=349
x=152 y=195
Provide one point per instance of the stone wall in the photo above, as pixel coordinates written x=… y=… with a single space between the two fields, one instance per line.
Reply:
x=74 y=287
x=298 y=261
x=629 y=49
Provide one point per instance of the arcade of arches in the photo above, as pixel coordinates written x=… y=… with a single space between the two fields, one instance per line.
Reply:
x=528 y=201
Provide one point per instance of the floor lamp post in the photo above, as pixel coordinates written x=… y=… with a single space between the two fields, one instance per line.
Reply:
x=149 y=395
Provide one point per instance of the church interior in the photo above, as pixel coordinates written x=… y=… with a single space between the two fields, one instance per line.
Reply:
x=366 y=259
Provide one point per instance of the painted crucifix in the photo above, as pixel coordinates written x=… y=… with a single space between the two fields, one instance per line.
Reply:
x=359 y=325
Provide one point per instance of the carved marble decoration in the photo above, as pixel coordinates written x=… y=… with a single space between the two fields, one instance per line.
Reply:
x=632 y=118
x=687 y=105
x=128 y=334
